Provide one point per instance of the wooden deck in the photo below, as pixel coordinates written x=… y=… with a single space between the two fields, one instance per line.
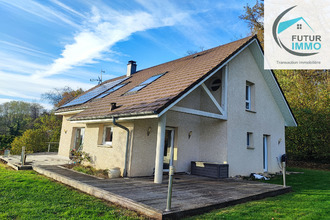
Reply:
x=191 y=194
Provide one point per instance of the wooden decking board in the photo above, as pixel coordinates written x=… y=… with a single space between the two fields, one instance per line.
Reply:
x=147 y=196
x=191 y=194
x=127 y=191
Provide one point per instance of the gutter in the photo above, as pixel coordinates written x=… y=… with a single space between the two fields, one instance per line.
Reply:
x=127 y=142
x=90 y=121
x=123 y=115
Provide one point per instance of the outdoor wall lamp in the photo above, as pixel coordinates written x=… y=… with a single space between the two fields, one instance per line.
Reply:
x=189 y=134
x=65 y=130
x=279 y=141
x=148 y=131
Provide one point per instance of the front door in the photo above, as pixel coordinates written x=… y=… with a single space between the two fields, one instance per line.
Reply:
x=265 y=153
x=79 y=138
x=169 y=144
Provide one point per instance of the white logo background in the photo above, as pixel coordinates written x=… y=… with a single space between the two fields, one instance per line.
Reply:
x=308 y=18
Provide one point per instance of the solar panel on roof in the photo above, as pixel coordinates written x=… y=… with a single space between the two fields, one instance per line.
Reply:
x=95 y=92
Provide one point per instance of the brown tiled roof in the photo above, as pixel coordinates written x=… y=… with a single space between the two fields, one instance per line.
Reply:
x=181 y=75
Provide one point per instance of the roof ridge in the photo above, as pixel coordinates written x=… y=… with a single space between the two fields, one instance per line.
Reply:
x=204 y=51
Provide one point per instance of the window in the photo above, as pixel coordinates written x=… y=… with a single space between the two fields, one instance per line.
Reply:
x=145 y=83
x=249 y=140
x=107 y=135
x=265 y=151
x=249 y=96
x=79 y=138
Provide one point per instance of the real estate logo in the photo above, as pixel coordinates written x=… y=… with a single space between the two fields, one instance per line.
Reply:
x=302 y=42
x=296 y=36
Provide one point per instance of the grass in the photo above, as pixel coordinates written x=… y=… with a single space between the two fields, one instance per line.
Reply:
x=310 y=199
x=27 y=195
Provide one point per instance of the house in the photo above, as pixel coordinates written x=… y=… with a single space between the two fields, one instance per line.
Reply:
x=218 y=105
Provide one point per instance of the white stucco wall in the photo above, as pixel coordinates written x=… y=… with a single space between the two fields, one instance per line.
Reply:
x=143 y=147
x=185 y=149
x=213 y=140
x=67 y=136
x=207 y=141
x=267 y=119
x=106 y=157
x=103 y=157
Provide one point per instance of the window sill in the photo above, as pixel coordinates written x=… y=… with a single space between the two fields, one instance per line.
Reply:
x=250 y=111
x=250 y=147
x=104 y=146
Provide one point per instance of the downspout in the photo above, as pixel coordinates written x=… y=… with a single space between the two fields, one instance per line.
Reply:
x=127 y=142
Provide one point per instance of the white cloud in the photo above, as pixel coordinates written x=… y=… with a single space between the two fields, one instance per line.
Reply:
x=2 y=100
x=105 y=28
x=26 y=87
x=15 y=64
x=186 y=19
x=20 y=49
x=43 y=104
x=67 y=8
x=41 y=11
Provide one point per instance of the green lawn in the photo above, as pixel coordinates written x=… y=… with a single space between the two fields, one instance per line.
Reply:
x=27 y=195
x=310 y=199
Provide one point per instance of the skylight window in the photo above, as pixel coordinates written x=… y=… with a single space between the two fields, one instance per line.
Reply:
x=144 y=84
x=110 y=91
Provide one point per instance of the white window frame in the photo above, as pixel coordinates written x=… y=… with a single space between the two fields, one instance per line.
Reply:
x=104 y=136
x=249 y=140
x=81 y=132
x=265 y=146
x=248 y=97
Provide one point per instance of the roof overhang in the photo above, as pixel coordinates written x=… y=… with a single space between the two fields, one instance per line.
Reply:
x=72 y=112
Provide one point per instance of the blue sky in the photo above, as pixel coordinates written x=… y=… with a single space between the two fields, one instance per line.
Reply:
x=55 y=43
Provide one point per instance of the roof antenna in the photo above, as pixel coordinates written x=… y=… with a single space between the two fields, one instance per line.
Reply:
x=99 y=79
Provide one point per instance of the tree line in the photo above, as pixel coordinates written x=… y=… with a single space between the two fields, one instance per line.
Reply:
x=30 y=125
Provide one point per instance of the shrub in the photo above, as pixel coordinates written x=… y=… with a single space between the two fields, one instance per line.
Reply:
x=33 y=140
x=5 y=141
x=80 y=156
